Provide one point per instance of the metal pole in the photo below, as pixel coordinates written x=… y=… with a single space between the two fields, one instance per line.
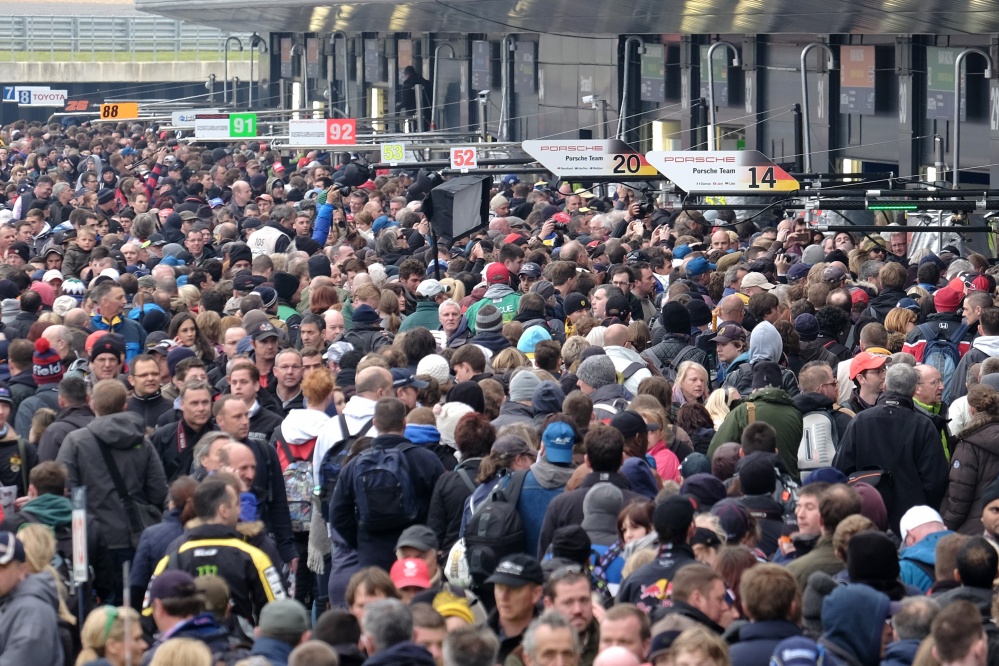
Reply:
x=346 y=88
x=830 y=64
x=433 y=86
x=305 y=95
x=508 y=45
x=483 y=103
x=255 y=43
x=799 y=152
x=625 y=87
x=957 y=104
x=225 y=72
x=938 y=157
x=711 y=87
x=211 y=88
x=235 y=91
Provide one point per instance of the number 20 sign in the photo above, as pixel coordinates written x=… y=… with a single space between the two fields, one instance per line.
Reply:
x=464 y=158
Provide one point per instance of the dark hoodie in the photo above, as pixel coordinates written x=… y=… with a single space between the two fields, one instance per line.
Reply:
x=141 y=471
x=853 y=617
x=402 y=654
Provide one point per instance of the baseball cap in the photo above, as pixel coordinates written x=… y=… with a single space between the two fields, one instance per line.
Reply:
x=530 y=269
x=517 y=571
x=403 y=377
x=515 y=239
x=833 y=274
x=497 y=274
x=420 y=537
x=756 y=280
x=631 y=423
x=617 y=306
x=866 y=361
x=915 y=517
x=10 y=548
x=431 y=288
x=410 y=572
x=284 y=616
x=172 y=583
x=797 y=272
x=698 y=266
x=263 y=330
x=730 y=332
x=508 y=447
x=909 y=304
x=52 y=274
x=558 y=439
x=575 y=302
x=337 y=350
x=5 y=395
x=947 y=299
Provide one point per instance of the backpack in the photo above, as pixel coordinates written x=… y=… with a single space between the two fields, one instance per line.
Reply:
x=818 y=440
x=495 y=529
x=298 y=486
x=687 y=353
x=942 y=354
x=786 y=493
x=332 y=463
x=383 y=489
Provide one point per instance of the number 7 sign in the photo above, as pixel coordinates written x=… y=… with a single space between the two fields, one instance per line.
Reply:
x=464 y=158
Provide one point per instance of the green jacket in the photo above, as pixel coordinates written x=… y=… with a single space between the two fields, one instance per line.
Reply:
x=773 y=406
x=503 y=297
x=821 y=558
x=425 y=316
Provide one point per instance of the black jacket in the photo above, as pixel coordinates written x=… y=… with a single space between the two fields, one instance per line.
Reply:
x=448 y=501
x=378 y=548
x=174 y=443
x=913 y=454
x=67 y=420
x=19 y=327
x=567 y=508
x=647 y=586
x=268 y=486
x=883 y=303
x=22 y=386
x=252 y=577
x=149 y=408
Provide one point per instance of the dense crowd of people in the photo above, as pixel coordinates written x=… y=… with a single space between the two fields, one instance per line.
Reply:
x=593 y=432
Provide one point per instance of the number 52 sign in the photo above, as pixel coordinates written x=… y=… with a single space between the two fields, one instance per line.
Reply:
x=464 y=158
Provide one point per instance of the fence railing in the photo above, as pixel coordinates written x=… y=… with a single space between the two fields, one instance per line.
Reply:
x=111 y=39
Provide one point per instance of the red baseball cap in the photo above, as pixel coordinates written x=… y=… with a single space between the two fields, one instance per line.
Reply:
x=858 y=295
x=866 y=361
x=410 y=572
x=497 y=274
x=947 y=299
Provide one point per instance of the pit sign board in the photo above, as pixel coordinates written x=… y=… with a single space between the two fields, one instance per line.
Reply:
x=225 y=126
x=35 y=96
x=186 y=118
x=119 y=110
x=722 y=171
x=611 y=158
x=464 y=158
x=322 y=132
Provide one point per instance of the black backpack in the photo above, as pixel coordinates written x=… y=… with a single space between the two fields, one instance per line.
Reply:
x=495 y=529
x=332 y=463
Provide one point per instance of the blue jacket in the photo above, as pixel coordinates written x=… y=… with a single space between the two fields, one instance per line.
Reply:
x=324 y=218
x=757 y=641
x=853 y=617
x=532 y=506
x=153 y=545
x=202 y=627
x=924 y=551
x=900 y=653
x=275 y=651
x=129 y=329
x=402 y=654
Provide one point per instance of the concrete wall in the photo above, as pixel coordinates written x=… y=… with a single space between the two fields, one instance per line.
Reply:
x=137 y=72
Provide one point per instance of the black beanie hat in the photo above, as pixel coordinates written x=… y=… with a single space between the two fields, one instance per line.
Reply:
x=871 y=556
x=676 y=318
x=990 y=494
x=285 y=284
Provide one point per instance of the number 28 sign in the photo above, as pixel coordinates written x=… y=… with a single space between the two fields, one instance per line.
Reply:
x=464 y=158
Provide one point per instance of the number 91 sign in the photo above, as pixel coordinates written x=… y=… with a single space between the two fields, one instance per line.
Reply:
x=464 y=158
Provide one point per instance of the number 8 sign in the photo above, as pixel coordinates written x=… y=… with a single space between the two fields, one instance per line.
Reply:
x=464 y=158
x=342 y=132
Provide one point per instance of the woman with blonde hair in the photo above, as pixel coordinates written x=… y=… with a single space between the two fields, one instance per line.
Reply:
x=39 y=549
x=182 y=652
x=457 y=288
x=900 y=320
x=691 y=386
x=104 y=637
x=508 y=359
x=210 y=323
x=719 y=404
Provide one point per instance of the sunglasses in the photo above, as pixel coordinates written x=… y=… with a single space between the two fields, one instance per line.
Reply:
x=562 y=572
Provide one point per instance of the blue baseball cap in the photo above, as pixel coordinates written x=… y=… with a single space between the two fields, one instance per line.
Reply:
x=558 y=439
x=698 y=266
x=5 y=395
x=799 y=271
x=681 y=251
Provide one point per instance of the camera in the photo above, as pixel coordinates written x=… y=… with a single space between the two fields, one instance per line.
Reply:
x=561 y=222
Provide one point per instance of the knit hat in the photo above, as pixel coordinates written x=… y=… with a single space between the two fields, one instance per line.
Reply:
x=813 y=254
x=990 y=494
x=365 y=315
x=46 y=366
x=46 y=291
x=319 y=266
x=75 y=288
x=522 y=386
x=434 y=366
x=640 y=476
x=915 y=517
x=448 y=419
x=284 y=616
x=872 y=505
x=820 y=585
x=947 y=299
x=695 y=463
x=111 y=343
x=63 y=304
x=871 y=556
x=469 y=393
x=673 y=514
x=601 y=504
x=8 y=290
x=9 y=309
x=175 y=356
x=757 y=475
x=676 y=318
x=544 y=289
x=824 y=475
x=285 y=284
x=547 y=398
x=575 y=302
x=572 y=543
x=807 y=326
x=269 y=297
x=488 y=319
x=700 y=313
x=705 y=489
x=531 y=337
x=597 y=371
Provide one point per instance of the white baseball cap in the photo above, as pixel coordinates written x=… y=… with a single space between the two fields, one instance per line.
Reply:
x=916 y=517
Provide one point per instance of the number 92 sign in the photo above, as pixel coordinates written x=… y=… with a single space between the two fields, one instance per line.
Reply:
x=464 y=158
x=343 y=132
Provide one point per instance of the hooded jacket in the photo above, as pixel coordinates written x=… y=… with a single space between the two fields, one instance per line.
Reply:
x=764 y=345
x=923 y=552
x=514 y=412
x=402 y=654
x=608 y=400
x=300 y=431
x=357 y=413
x=901 y=653
x=29 y=629
x=448 y=501
x=981 y=348
x=460 y=336
x=913 y=454
x=755 y=642
x=492 y=342
x=124 y=435
x=425 y=316
x=22 y=386
x=883 y=303
x=202 y=627
x=773 y=406
x=567 y=508
x=543 y=482
x=625 y=361
x=853 y=617
x=974 y=465
x=502 y=296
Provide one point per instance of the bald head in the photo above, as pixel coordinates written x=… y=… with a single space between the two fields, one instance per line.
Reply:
x=372 y=381
x=617 y=335
x=359 y=279
x=616 y=656
x=731 y=308
x=77 y=317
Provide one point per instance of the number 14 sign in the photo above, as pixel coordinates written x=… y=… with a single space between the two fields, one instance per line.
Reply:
x=722 y=171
